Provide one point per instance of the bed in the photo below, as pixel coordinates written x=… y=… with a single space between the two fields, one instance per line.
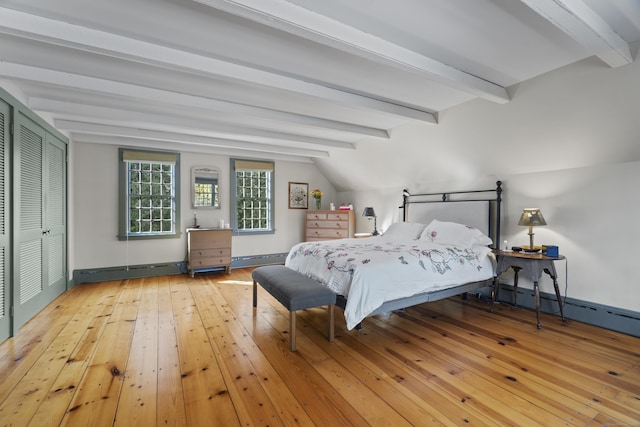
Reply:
x=412 y=262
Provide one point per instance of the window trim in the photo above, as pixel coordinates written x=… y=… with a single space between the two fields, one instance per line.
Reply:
x=233 y=205
x=145 y=155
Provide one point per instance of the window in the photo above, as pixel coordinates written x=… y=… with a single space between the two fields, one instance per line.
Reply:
x=252 y=196
x=149 y=194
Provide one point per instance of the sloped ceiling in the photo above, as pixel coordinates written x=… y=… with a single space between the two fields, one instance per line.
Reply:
x=293 y=80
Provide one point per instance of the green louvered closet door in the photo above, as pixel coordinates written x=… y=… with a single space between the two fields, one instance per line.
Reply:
x=5 y=248
x=39 y=262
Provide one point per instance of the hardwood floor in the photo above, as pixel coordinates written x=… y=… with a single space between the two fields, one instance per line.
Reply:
x=173 y=351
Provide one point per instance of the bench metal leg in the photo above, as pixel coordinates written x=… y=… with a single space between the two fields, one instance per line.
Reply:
x=255 y=293
x=292 y=327
x=331 y=324
x=292 y=330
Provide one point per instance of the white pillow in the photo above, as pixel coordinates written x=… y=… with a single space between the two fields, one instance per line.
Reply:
x=454 y=234
x=404 y=230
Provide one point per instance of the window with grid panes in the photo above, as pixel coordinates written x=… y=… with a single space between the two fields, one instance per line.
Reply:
x=149 y=194
x=253 y=190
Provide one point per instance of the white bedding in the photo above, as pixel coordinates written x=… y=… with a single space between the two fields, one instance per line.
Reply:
x=374 y=270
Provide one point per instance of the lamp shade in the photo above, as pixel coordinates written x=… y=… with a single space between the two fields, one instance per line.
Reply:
x=531 y=217
x=369 y=212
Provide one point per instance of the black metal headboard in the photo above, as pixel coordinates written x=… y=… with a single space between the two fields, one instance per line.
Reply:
x=493 y=197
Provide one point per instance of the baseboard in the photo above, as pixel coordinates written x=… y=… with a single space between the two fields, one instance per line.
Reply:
x=103 y=274
x=257 y=260
x=613 y=318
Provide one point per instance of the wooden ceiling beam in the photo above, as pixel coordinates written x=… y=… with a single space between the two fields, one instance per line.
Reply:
x=98 y=114
x=143 y=93
x=586 y=27
x=286 y=16
x=193 y=148
x=60 y=33
x=77 y=127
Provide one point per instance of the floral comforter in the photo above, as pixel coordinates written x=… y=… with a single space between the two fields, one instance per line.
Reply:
x=374 y=270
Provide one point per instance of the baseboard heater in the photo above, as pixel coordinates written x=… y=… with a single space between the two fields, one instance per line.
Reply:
x=104 y=274
x=613 y=318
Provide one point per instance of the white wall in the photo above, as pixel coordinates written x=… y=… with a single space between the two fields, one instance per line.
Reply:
x=93 y=217
x=591 y=214
x=568 y=143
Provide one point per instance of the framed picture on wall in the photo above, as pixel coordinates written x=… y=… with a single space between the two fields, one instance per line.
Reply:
x=298 y=195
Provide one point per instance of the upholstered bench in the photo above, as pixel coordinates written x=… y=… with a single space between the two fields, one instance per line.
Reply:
x=295 y=291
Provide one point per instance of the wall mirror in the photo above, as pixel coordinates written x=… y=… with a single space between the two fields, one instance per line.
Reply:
x=205 y=187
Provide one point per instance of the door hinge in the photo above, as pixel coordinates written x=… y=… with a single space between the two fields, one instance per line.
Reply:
x=11 y=128
x=11 y=311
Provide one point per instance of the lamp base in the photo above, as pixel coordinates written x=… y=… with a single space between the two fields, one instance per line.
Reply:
x=531 y=249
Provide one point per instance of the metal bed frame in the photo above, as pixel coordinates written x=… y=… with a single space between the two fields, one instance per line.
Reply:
x=493 y=198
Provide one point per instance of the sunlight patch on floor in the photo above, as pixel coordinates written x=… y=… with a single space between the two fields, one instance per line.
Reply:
x=236 y=282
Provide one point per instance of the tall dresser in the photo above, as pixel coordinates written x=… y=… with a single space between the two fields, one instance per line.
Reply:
x=329 y=225
x=208 y=249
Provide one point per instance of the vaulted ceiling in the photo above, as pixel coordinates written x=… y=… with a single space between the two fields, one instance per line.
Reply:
x=287 y=79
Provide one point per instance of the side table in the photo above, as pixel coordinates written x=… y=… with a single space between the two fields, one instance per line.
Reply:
x=532 y=266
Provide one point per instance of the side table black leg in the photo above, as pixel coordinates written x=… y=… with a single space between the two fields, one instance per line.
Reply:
x=557 y=289
x=494 y=293
x=555 y=285
x=536 y=292
x=515 y=285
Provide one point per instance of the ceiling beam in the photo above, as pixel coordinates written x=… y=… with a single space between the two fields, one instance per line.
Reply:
x=77 y=127
x=194 y=148
x=51 y=31
x=106 y=115
x=286 y=16
x=133 y=91
x=586 y=27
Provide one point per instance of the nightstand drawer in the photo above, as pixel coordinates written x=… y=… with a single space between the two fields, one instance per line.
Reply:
x=209 y=240
x=210 y=253
x=209 y=262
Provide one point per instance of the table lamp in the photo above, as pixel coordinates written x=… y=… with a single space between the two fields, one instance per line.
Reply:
x=370 y=213
x=531 y=217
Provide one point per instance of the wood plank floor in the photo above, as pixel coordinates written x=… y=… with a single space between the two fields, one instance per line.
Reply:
x=177 y=351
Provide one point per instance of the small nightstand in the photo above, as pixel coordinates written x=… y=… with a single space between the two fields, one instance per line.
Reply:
x=208 y=249
x=532 y=266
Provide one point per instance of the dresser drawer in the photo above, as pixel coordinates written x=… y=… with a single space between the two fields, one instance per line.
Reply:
x=338 y=216
x=206 y=240
x=328 y=224
x=210 y=253
x=316 y=216
x=209 y=262
x=328 y=233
